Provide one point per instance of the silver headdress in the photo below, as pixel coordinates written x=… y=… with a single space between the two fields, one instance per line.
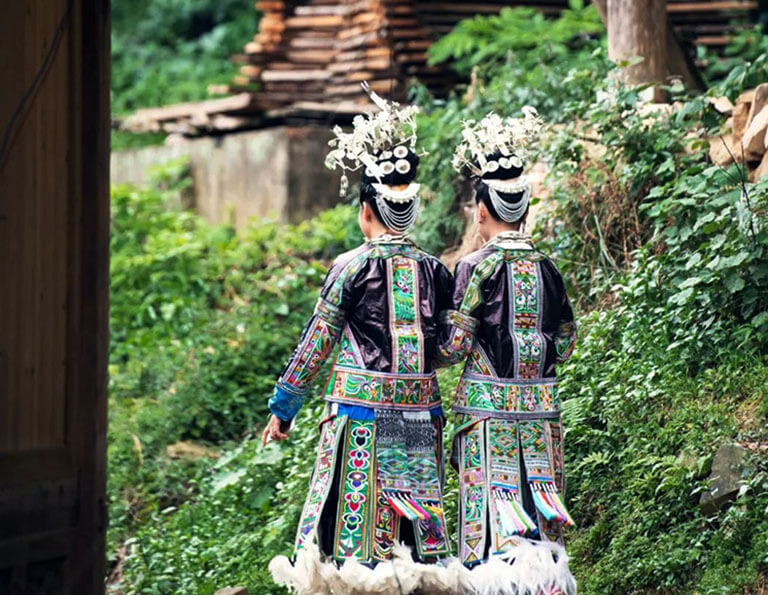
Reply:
x=380 y=144
x=495 y=144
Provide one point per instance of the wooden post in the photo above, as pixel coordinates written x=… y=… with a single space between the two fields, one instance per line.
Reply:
x=639 y=28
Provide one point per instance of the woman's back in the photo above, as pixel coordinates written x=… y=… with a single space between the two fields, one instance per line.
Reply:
x=525 y=323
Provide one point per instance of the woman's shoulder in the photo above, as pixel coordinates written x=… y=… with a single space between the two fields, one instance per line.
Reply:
x=347 y=257
x=483 y=255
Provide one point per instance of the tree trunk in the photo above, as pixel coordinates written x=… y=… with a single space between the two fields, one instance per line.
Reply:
x=679 y=62
x=639 y=28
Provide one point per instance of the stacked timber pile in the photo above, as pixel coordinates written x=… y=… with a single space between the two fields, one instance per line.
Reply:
x=747 y=141
x=319 y=51
x=710 y=23
x=309 y=56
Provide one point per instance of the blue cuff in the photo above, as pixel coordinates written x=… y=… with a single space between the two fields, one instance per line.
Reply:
x=286 y=402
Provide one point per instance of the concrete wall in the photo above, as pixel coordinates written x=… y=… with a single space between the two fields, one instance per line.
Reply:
x=275 y=172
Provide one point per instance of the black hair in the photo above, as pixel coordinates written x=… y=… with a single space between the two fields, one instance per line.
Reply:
x=395 y=178
x=502 y=173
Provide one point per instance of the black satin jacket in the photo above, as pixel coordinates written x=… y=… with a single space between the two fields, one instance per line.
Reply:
x=510 y=313
x=381 y=302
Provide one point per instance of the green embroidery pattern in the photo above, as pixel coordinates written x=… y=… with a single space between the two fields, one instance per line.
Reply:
x=354 y=518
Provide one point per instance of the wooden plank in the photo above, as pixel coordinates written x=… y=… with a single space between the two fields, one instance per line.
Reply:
x=235 y=103
x=270 y=6
x=41 y=547
x=413 y=44
x=341 y=10
x=38 y=507
x=362 y=54
x=408 y=33
x=312 y=42
x=367 y=39
x=712 y=40
x=375 y=64
x=319 y=22
x=711 y=6
x=297 y=75
x=354 y=32
x=314 y=56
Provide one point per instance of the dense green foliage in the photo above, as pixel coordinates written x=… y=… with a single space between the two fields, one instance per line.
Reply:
x=671 y=364
x=667 y=260
x=512 y=35
x=166 y=51
x=556 y=70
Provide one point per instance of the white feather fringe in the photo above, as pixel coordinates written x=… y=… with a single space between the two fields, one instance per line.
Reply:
x=530 y=568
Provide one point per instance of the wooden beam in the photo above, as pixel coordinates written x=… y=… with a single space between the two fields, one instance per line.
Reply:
x=88 y=296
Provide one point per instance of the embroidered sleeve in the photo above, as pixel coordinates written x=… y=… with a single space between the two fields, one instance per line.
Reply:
x=317 y=342
x=566 y=339
x=458 y=325
x=458 y=335
x=566 y=330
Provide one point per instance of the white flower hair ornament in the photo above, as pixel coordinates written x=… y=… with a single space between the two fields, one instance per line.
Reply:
x=496 y=150
x=509 y=137
x=379 y=143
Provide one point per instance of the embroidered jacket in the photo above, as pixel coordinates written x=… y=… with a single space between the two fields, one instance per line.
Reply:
x=512 y=320
x=381 y=301
x=511 y=315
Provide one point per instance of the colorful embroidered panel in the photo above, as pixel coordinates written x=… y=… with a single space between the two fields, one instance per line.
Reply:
x=497 y=394
x=551 y=529
x=320 y=484
x=472 y=494
x=311 y=353
x=478 y=363
x=537 y=457
x=356 y=493
x=565 y=340
x=386 y=529
x=365 y=387
x=507 y=515
x=392 y=478
x=405 y=316
x=330 y=313
x=472 y=296
x=424 y=479
x=349 y=352
x=525 y=288
x=408 y=468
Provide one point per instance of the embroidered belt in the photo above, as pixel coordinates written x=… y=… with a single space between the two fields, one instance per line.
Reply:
x=382 y=389
x=508 y=398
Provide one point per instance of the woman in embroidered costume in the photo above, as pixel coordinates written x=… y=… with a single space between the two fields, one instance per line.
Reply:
x=512 y=321
x=378 y=475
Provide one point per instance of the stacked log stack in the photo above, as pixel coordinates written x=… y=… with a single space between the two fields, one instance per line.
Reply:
x=309 y=56
x=747 y=140
x=320 y=51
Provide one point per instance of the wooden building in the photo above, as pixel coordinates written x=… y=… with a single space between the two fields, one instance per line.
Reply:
x=54 y=240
